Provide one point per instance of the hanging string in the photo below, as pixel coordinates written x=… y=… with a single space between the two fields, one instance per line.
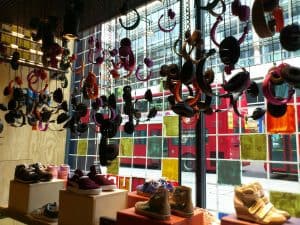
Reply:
x=146 y=40
x=170 y=33
x=273 y=52
x=229 y=21
x=292 y=13
x=210 y=42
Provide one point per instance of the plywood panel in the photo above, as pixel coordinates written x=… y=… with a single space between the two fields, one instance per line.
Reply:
x=24 y=145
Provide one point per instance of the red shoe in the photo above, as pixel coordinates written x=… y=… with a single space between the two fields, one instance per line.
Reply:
x=104 y=183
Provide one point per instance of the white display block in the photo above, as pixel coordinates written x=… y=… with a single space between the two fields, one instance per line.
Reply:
x=24 y=198
x=77 y=209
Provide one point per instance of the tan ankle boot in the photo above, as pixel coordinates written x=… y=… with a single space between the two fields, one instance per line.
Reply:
x=267 y=201
x=250 y=206
x=157 y=206
x=181 y=201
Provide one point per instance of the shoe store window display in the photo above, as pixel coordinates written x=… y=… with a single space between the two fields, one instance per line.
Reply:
x=252 y=204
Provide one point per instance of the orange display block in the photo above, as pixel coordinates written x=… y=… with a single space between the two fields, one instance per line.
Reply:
x=129 y=217
x=232 y=220
x=133 y=197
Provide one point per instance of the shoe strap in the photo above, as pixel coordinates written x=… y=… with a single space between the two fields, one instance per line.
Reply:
x=260 y=209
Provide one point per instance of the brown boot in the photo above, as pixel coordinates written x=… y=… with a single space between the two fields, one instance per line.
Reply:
x=267 y=201
x=157 y=206
x=181 y=202
x=250 y=206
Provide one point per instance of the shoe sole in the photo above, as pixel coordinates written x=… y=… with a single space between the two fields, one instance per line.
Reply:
x=108 y=187
x=96 y=191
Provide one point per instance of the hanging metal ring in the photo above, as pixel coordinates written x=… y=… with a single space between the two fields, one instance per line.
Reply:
x=133 y=26
x=213 y=13
x=165 y=29
x=209 y=5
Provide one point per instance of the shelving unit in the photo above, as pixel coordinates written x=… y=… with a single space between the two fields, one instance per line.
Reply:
x=30 y=50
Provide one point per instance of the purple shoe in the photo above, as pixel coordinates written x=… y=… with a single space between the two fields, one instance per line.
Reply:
x=148 y=188
x=167 y=185
x=81 y=184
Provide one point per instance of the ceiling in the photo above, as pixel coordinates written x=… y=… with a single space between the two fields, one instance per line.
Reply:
x=20 y=12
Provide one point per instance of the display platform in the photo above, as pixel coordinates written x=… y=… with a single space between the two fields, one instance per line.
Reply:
x=232 y=220
x=24 y=198
x=77 y=209
x=129 y=217
x=133 y=197
x=23 y=218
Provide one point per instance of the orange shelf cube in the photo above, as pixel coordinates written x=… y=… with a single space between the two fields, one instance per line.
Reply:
x=133 y=197
x=129 y=217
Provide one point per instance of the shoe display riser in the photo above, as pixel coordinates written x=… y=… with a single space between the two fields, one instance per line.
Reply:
x=24 y=198
x=129 y=217
x=77 y=209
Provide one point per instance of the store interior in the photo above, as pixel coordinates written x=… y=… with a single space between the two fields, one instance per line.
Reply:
x=156 y=112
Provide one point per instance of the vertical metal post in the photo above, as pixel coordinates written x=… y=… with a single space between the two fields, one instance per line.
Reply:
x=200 y=131
x=179 y=122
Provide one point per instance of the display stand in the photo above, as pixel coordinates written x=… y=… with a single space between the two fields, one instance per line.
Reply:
x=24 y=198
x=129 y=217
x=133 y=197
x=76 y=209
x=232 y=220
x=23 y=218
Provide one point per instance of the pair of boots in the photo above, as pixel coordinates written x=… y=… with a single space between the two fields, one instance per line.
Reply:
x=162 y=203
x=251 y=204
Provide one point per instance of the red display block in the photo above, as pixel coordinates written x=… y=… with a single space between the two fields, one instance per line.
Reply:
x=129 y=217
x=232 y=220
x=133 y=197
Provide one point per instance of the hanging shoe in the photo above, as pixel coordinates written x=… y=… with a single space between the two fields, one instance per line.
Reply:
x=157 y=206
x=250 y=206
x=267 y=201
x=181 y=202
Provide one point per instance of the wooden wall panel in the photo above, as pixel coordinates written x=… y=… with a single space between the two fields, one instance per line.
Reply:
x=24 y=145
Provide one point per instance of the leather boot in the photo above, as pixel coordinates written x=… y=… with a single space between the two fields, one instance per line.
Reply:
x=181 y=202
x=267 y=201
x=157 y=206
x=250 y=206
